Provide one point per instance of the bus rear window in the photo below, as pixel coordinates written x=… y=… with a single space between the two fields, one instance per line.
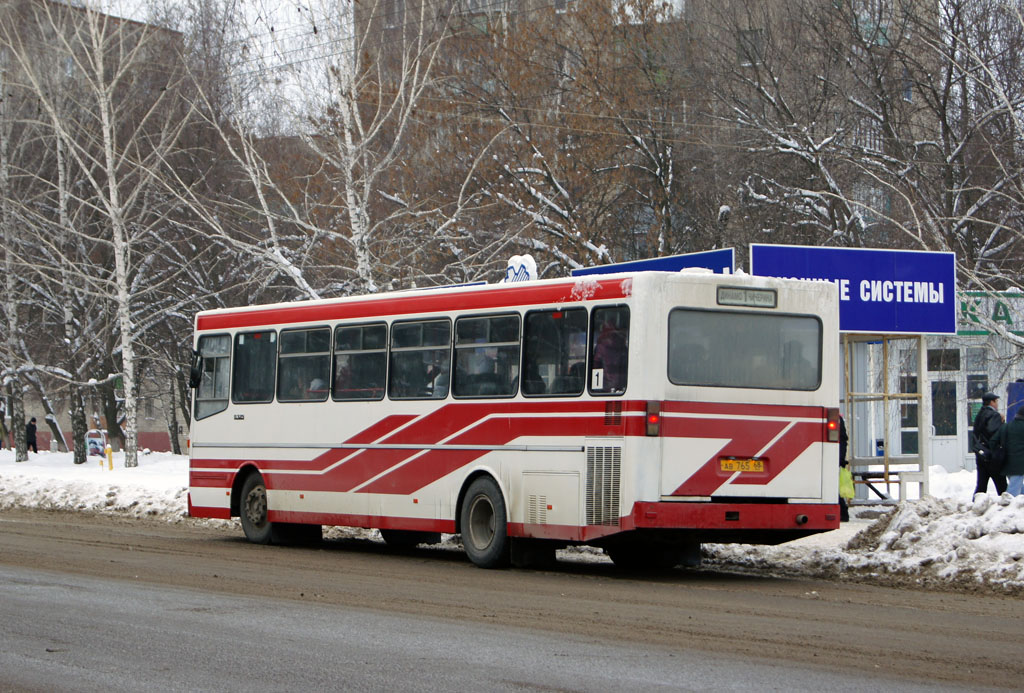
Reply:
x=739 y=349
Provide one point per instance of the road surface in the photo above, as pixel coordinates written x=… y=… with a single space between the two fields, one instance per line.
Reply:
x=107 y=603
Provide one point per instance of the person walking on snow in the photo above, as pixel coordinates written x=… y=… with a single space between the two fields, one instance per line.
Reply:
x=30 y=435
x=1011 y=437
x=986 y=423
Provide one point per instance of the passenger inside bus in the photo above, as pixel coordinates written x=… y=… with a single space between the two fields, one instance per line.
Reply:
x=610 y=351
x=414 y=378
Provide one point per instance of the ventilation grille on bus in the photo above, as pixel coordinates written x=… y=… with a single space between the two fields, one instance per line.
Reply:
x=613 y=413
x=603 y=471
x=537 y=510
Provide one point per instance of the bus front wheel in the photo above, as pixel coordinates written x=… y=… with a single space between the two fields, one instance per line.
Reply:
x=484 y=524
x=253 y=510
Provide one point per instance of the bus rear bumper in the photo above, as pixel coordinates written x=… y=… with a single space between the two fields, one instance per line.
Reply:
x=800 y=518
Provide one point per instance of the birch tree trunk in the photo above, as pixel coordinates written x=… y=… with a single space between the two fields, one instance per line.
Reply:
x=11 y=273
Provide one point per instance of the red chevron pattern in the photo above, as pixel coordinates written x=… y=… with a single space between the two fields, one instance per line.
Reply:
x=750 y=429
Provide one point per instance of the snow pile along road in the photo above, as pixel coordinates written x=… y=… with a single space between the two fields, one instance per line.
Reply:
x=946 y=540
x=931 y=542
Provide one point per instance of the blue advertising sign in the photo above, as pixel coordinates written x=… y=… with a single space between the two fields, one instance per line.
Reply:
x=880 y=291
x=718 y=261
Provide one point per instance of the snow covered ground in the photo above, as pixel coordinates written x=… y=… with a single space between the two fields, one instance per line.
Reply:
x=946 y=540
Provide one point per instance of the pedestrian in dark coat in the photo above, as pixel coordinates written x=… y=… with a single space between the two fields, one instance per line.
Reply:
x=986 y=423
x=30 y=435
x=1011 y=438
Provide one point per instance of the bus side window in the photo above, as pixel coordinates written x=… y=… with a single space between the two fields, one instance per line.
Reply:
x=255 y=367
x=554 y=352
x=609 y=350
x=360 y=362
x=215 y=361
x=486 y=356
x=304 y=365
x=420 y=359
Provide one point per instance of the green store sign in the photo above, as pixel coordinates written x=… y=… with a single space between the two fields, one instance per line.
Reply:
x=979 y=307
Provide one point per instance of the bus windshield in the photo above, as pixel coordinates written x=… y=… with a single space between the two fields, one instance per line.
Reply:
x=740 y=349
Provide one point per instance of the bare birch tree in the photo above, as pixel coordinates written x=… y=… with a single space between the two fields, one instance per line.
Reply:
x=118 y=137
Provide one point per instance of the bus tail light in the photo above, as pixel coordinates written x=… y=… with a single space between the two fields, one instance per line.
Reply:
x=653 y=418
x=832 y=425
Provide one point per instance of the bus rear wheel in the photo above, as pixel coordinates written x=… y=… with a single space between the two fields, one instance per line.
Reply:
x=484 y=525
x=252 y=510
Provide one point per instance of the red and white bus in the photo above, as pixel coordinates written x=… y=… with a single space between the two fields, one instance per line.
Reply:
x=642 y=413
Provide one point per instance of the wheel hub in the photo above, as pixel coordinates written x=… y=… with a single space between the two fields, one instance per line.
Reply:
x=256 y=506
x=481 y=522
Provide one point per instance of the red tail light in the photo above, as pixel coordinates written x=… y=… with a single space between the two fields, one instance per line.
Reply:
x=653 y=418
x=832 y=425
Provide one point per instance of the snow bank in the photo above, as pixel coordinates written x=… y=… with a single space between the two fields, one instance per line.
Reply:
x=947 y=539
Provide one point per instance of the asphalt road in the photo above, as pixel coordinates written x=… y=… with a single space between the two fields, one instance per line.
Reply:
x=100 y=603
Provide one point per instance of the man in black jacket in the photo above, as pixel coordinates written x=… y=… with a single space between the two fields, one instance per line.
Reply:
x=986 y=423
x=30 y=435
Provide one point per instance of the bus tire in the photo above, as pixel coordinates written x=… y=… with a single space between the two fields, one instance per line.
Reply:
x=252 y=510
x=484 y=523
x=406 y=539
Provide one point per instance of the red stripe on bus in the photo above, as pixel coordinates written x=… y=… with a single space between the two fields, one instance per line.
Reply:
x=447 y=421
x=325 y=459
x=436 y=464
x=433 y=302
x=746 y=439
x=783 y=452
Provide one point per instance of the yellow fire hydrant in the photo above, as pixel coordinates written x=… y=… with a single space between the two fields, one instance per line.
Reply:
x=110 y=457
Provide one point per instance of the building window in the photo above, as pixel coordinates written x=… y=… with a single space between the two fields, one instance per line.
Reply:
x=394 y=9
x=944 y=407
x=943 y=359
x=750 y=46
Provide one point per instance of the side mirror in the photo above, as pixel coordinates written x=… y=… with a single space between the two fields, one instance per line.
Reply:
x=195 y=375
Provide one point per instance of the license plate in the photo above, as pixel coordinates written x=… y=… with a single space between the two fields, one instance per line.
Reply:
x=746 y=465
